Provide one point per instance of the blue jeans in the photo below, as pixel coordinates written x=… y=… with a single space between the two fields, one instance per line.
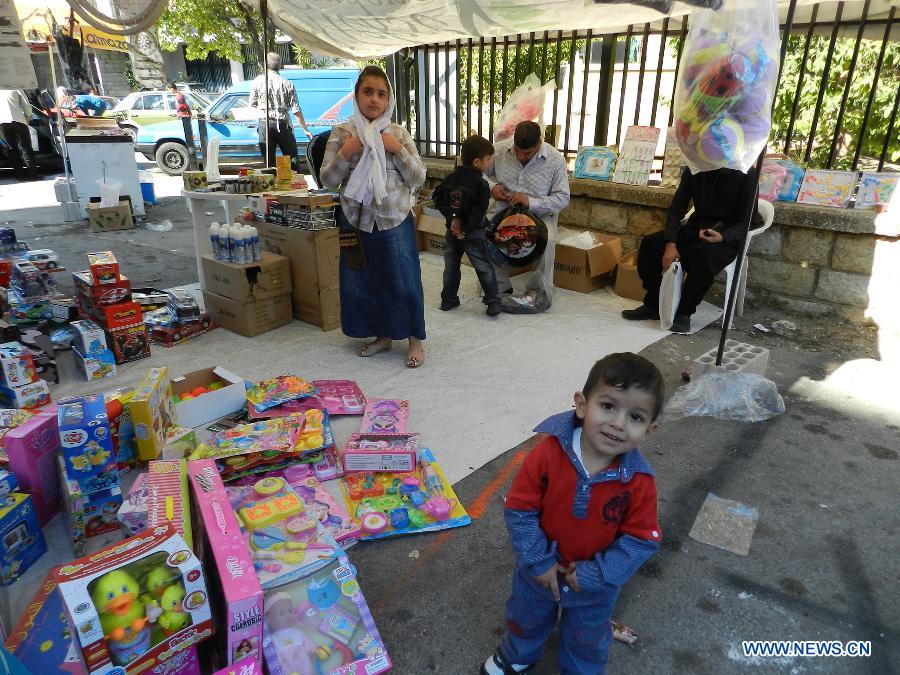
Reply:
x=584 y=629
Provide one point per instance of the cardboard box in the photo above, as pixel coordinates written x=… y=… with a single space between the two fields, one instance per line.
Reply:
x=246 y=666
x=108 y=218
x=21 y=539
x=83 y=586
x=238 y=598
x=96 y=365
x=132 y=515
x=208 y=407
x=582 y=270
x=152 y=413
x=87 y=448
x=89 y=337
x=119 y=315
x=432 y=228
x=104 y=268
x=252 y=318
x=31 y=444
x=108 y=294
x=314 y=258
x=167 y=497
x=129 y=343
x=16 y=365
x=381 y=452
x=27 y=396
x=26 y=311
x=266 y=278
x=88 y=515
x=628 y=281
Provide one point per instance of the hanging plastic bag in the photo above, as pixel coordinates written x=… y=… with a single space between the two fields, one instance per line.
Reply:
x=526 y=104
x=727 y=395
x=537 y=297
x=729 y=71
x=670 y=294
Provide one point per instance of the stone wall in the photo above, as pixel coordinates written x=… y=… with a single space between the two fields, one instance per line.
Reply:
x=812 y=260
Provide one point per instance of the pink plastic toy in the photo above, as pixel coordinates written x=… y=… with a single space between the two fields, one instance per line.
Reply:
x=385 y=416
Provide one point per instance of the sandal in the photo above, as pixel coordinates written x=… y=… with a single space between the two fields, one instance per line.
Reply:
x=414 y=361
x=372 y=349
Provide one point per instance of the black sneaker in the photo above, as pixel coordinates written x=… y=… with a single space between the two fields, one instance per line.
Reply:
x=447 y=305
x=681 y=324
x=498 y=665
x=493 y=308
x=508 y=291
x=640 y=314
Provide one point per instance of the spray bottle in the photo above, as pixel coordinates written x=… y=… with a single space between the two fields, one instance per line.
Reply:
x=225 y=243
x=237 y=252
x=214 y=240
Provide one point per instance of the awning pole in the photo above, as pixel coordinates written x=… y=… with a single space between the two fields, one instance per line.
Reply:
x=60 y=124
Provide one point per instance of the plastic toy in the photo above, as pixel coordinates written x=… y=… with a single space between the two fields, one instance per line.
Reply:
x=385 y=416
x=87 y=443
x=21 y=539
x=238 y=597
x=277 y=390
x=104 y=595
x=793 y=180
x=381 y=452
x=319 y=502
x=427 y=501
x=182 y=305
x=322 y=625
x=284 y=539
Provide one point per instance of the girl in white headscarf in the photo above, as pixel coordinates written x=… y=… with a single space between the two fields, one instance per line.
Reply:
x=377 y=167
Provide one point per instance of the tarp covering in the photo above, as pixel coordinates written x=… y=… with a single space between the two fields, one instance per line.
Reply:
x=364 y=28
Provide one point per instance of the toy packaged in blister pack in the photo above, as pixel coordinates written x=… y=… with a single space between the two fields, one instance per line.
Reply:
x=332 y=515
x=385 y=416
x=278 y=390
x=336 y=397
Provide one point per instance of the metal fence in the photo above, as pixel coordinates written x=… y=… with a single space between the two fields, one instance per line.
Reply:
x=213 y=71
x=252 y=66
x=836 y=113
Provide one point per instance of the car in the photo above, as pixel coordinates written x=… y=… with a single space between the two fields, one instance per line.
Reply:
x=143 y=108
x=326 y=97
x=42 y=258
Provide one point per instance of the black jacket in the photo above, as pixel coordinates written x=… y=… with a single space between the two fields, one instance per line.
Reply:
x=718 y=196
x=464 y=194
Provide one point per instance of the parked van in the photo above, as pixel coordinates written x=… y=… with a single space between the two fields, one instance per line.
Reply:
x=326 y=98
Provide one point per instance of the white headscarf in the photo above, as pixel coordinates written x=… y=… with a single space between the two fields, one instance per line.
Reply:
x=369 y=179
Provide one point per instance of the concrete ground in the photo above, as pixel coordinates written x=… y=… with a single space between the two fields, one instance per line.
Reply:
x=823 y=563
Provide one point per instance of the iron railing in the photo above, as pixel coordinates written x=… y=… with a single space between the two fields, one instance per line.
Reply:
x=840 y=114
x=213 y=71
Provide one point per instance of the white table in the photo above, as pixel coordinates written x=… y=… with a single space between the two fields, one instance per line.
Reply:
x=109 y=158
x=199 y=204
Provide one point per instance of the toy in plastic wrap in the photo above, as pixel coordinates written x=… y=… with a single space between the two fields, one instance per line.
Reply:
x=285 y=540
x=385 y=416
x=319 y=502
x=340 y=397
x=277 y=390
x=729 y=74
x=381 y=452
x=770 y=180
x=322 y=626
x=595 y=163
x=793 y=179
x=517 y=236
x=525 y=104
x=387 y=504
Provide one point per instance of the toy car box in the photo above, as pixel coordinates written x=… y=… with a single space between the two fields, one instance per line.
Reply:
x=104 y=268
x=21 y=539
x=182 y=305
x=119 y=315
x=237 y=596
x=108 y=294
x=16 y=365
x=132 y=514
x=8 y=482
x=229 y=396
x=89 y=337
x=26 y=311
x=105 y=592
x=25 y=278
x=130 y=343
x=87 y=443
x=27 y=396
x=89 y=515
x=31 y=444
x=167 y=497
x=96 y=365
x=381 y=452
x=152 y=413
x=169 y=333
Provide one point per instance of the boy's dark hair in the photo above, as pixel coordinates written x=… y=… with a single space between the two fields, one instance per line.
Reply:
x=625 y=370
x=527 y=135
x=371 y=71
x=475 y=147
x=171 y=85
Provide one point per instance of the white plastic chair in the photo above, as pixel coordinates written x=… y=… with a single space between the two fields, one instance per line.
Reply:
x=767 y=212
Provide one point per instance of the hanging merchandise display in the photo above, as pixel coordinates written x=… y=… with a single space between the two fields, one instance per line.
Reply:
x=516 y=237
x=525 y=104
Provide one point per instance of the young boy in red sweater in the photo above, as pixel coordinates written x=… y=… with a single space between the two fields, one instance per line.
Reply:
x=581 y=515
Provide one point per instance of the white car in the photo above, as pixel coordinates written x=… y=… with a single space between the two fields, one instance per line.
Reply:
x=42 y=258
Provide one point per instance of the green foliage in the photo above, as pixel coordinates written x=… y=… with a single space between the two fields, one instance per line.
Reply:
x=306 y=59
x=205 y=26
x=128 y=73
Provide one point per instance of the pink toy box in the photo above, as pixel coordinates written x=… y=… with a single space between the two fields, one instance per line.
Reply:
x=246 y=666
x=385 y=416
x=137 y=605
x=167 y=497
x=381 y=452
x=132 y=514
x=321 y=624
x=236 y=593
x=31 y=445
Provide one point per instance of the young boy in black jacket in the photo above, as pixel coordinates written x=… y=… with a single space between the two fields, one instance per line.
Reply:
x=462 y=198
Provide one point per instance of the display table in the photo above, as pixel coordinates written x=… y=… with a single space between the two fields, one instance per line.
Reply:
x=94 y=157
x=199 y=204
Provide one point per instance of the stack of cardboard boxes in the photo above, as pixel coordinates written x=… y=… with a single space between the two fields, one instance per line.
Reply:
x=93 y=357
x=28 y=298
x=104 y=296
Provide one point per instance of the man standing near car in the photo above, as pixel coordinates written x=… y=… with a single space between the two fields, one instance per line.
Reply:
x=15 y=111
x=282 y=100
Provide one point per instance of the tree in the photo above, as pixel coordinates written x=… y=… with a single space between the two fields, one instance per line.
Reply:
x=219 y=26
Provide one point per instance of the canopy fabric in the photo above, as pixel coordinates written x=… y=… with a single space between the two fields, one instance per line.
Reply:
x=365 y=28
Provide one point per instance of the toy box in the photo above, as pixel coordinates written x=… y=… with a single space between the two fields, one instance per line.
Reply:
x=87 y=443
x=385 y=416
x=381 y=452
x=27 y=396
x=286 y=541
x=8 y=483
x=132 y=515
x=322 y=624
x=31 y=443
x=136 y=604
x=27 y=311
x=152 y=413
x=104 y=267
x=246 y=666
x=121 y=427
x=89 y=515
x=16 y=364
x=237 y=596
x=89 y=337
x=21 y=539
x=318 y=500
x=388 y=505
x=26 y=279
x=129 y=343
x=119 y=315
x=167 y=497
x=96 y=365
x=167 y=332
x=206 y=395
x=107 y=294
x=180 y=442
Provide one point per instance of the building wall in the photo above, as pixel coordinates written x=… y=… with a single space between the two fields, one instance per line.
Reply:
x=112 y=71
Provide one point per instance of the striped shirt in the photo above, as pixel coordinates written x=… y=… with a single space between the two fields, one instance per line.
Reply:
x=405 y=175
x=282 y=97
x=544 y=180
